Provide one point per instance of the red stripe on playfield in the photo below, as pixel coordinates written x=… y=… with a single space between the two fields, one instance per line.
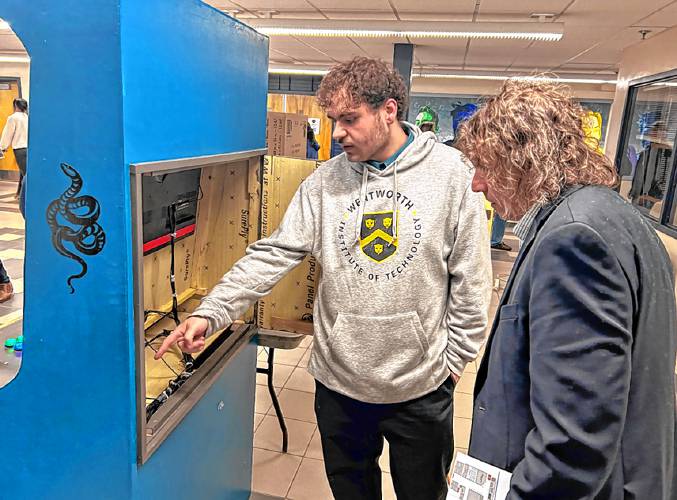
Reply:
x=157 y=242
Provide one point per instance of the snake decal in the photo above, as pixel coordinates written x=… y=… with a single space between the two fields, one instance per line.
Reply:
x=73 y=219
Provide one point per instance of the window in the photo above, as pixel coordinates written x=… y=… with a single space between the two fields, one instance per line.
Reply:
x=646 y=155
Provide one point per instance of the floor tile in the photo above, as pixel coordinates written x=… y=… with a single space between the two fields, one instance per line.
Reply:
x=289 y=356
x=384 y=461
x=18 y=285
x=310 y=482
x=10 y=237
x=11 y=254
x=463 y=404
x=466 y=384
x=306 y=342
x=387 y=488
x=258 y=418
x=315 y=447
x=273 y=472
x=281 y=374
x=462 y=432
x=262 y=496
x=296 y=404
x=263 y=401
x=304 y=360
x=269 y=435
x=301 y=380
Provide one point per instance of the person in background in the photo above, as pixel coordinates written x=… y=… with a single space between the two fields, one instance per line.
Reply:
x=575 y=395
x=497 y=233
x=15 y=136
x=402 y=303
x=312 y=146
x=427 y=120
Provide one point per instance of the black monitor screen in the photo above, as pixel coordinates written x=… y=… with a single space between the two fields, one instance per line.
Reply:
x=159 y=193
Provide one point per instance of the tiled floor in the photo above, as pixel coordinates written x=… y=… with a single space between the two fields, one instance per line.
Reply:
x=299 y=474
x=12 y=255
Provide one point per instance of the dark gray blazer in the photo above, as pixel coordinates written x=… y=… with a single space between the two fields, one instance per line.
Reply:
x=576 y=392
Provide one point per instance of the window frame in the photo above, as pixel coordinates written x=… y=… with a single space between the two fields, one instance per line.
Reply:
x=662 y=224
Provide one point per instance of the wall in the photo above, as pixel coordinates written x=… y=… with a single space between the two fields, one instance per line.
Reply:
x=18 y=70
x=643 y=59
x=646 y=58
x=459 y=86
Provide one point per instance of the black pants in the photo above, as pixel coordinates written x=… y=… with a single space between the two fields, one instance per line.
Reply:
x=419 y=432
x=21 y=155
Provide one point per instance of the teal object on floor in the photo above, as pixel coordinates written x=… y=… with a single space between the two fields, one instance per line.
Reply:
x=9 y=343
x=19 y=346
x=20 y=338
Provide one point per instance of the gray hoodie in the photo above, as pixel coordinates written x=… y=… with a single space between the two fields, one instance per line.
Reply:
x=406 y=271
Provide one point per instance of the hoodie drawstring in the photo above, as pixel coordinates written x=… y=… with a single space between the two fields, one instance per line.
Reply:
x=394 y=240
x=363 y=201
x=363 y=195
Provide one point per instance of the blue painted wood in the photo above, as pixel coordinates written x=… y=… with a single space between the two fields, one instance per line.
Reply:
x=114 y=82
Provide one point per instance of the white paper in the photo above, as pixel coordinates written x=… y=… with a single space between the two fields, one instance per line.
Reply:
x=315 y=125
x=473 y=479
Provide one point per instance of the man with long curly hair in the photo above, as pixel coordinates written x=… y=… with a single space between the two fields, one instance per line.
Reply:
x=576 y=392
x=401 y=307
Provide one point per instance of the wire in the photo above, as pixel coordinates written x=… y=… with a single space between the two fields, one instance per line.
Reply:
x=164 y=361
x=188 y=360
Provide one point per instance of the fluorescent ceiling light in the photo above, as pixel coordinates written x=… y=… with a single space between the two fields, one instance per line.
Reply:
x=553 y=79
x=295 y=71
x=459 y=76
x=547 y=32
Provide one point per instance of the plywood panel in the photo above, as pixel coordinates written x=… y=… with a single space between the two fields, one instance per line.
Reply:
x=308 y=106
x=291 y=301
x=7 y=108
x=224 y=222
x=156 y=270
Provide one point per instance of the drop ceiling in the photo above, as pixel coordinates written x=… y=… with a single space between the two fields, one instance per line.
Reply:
x=595 y=33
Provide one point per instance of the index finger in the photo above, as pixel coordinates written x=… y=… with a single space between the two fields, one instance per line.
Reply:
x=167 y=343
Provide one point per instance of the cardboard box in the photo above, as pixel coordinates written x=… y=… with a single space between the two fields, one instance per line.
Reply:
x=275 y=125
x=295 y=136
x=289 y=307
x=286 y=134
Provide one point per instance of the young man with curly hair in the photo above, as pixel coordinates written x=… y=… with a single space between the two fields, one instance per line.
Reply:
x=576 y=392
x=402 y=302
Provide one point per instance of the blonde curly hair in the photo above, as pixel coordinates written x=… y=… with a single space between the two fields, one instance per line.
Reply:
x=528 y=142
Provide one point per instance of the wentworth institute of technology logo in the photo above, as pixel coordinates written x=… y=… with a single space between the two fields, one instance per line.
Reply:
x=369 y=246
x=377 y=236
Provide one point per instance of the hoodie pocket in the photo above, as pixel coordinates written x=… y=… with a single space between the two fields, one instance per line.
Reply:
x=378 y=350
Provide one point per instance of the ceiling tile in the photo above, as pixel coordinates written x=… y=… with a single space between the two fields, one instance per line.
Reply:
x=272 y=4
x=609 y=13
x=522 y=7
x=380 y=15
x=354 y=5
x=298 y=50
x=341 y=49
x=435 y=6
x=490 y=53
x=666 y=17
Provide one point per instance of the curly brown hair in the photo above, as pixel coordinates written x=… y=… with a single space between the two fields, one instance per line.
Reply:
x=529 y=143
x=363 y=81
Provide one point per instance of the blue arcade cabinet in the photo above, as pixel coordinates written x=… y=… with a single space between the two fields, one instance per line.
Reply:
x=147 y=128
